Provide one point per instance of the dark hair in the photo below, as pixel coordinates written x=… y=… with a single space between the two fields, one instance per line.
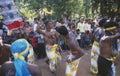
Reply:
x=110 y=24
x=31 y=34
x=35 y=19
x=87 y=32
x=102 y=22
x=46 y=22
x=1 y=25
x=26 y=24
x=77 y=29
x=62 y=30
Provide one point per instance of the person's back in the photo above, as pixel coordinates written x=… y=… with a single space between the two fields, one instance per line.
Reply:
x=71 y=41
x=108 y=49
x=8 y=69
x=75 y=51
x=97 y=34
x=19 y=66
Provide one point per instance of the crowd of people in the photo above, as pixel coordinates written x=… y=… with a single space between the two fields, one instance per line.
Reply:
x=49 y=38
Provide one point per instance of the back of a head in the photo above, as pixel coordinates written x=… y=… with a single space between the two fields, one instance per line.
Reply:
x=102 y=22
x=87 y=31
x=62 y=30
x=26 y=24
x=110 y=25
x=20 y=50
x=19 y=46
x=35 y=19
x=46 y=22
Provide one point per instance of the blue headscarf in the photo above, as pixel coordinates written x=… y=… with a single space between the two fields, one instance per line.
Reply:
x=20 y=49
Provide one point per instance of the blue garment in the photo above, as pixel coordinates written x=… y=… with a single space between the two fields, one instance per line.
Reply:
x=21 y=68
x=21 y=65
x=86 y=39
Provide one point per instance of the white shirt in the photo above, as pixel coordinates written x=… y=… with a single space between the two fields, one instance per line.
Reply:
x=78 y=36
x=35 y=27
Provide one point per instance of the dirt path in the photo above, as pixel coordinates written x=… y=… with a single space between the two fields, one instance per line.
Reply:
x=83 y=66
x=83 y=69
x=44 y=68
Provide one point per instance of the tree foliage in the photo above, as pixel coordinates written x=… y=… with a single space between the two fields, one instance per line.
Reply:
x=87 y=8
x=109 y=8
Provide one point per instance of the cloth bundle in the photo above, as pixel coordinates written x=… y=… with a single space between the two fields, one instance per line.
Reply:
x=10 y=14
x=95 y=51
x=53 y=56
x=31 y=57
x=71 y=68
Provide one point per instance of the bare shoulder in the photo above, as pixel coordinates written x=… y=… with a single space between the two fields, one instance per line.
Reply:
x=7 y=64
x=7 y=68
x=34 y=69
x=104 y=41
x=104 y=38
x=53 y=30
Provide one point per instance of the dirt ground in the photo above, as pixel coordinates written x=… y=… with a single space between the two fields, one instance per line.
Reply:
x=44 y=68
x=82 y=71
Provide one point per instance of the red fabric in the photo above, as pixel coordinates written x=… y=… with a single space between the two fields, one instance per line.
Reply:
x=15 y=25
x=34 y=41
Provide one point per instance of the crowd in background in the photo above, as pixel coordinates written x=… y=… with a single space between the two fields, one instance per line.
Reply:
x=83 y=29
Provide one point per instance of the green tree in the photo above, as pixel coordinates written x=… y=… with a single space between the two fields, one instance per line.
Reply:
x=58 y=6
x=110 y=8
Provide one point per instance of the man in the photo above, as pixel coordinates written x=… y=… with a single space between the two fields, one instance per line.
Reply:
x=51 y=40
x=76 y=51
x=80 y=26
x=41 y=42
x=19 y=66
x=71 y=42
x=108 y=49
x=35 y=24
x=98 y=33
